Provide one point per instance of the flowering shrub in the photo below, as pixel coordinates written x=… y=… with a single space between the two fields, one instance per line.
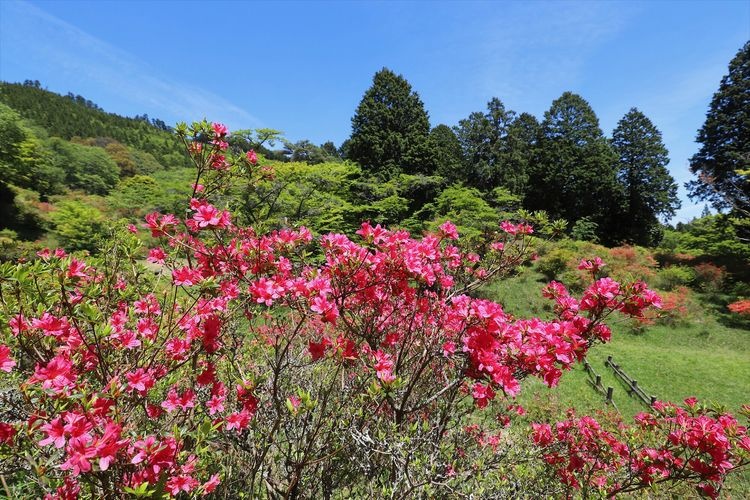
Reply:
x=741 y=307
x=710 y=277
x=279 y=364
x=628 y=262
x=691 y=443
x=677 y=307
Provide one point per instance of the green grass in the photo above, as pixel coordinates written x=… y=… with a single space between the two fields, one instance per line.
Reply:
x=700 y=357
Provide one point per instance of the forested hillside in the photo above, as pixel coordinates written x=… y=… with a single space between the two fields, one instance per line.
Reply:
x=73 y=116
x=64 y=158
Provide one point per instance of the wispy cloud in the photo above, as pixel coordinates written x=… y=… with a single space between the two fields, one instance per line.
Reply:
x=53 y=46
x=534 y=48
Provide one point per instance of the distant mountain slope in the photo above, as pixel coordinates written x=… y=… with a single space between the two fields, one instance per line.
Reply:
x=74 y=116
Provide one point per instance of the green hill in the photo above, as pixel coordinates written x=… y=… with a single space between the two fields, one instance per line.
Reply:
x=73 y=116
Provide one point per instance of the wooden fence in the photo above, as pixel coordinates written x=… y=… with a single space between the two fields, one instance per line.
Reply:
x=596 y=382
x=631 y=383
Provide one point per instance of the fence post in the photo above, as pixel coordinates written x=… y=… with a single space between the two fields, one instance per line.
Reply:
x=610 y=390
x=598 y=380
x=653 y=400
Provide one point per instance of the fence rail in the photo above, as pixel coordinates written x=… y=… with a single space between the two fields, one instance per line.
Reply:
x=631 y=383
x=596 y=382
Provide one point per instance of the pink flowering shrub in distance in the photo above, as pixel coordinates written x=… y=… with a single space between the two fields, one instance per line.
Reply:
x=287 y=366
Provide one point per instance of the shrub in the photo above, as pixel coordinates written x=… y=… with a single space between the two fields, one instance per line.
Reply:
x=244 y=367
x=632 y=262
x=585 y=229
x=676 y=306
x=78 y=226
x=709 y=277
x=673 y=277
x=554 y=263
x=741 y=307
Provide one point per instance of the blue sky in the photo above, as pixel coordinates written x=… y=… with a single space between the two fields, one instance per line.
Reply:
x=302 y=67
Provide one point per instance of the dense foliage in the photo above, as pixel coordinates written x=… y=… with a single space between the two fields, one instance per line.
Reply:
x=390 y=129
x=575 y=176
x=723 y=162
x=74 y=116
x=650 y=192
x=282 y=365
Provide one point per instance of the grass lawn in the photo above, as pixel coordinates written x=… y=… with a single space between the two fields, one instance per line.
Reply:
x=701 y=358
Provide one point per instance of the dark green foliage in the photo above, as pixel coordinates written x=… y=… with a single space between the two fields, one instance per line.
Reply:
x=650 y=191
x=87 y=168
x=447 y=153
x=390 y=129
x=497 y=148
x=475 y=136
x=331 y=151
x=309 y=153
x=483 y=138
x=74 y=116
x=574 y=176
x=723 y=162
x=18 y=212
x=523 y=135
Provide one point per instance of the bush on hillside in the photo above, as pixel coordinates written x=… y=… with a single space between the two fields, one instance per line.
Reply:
x=673 y=277
x=709 y=277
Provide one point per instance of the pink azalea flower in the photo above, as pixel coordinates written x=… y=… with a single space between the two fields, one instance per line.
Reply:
x=6 y=362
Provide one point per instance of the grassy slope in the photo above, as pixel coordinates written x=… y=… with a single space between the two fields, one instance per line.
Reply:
x=700 y=358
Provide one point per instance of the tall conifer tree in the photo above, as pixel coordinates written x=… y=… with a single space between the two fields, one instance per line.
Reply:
x=574 y=175
x=390 y=129
x=723 y=162
x=650 y=191
x=447 y=153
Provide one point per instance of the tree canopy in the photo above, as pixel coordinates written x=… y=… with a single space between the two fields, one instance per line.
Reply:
x=390 y=129
x=723 y=162
x=574 y=175
x=650 y=191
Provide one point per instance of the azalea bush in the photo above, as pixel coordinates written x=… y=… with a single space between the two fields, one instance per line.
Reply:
x=282 y=365
x=741 y=307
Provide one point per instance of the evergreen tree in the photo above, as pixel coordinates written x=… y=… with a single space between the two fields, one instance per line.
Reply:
x=475 y=137
x=723 y=162
x=523 y=135
x=484 y=140
x=574 y=175
x=390 y=129
x=330 y=150
x=447 y=153
x=498 y=147
x=650 y=191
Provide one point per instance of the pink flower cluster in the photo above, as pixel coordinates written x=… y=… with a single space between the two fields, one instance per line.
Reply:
x=139 y=382
x=700 y=446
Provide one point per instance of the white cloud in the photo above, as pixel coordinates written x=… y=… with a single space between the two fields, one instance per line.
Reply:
x=532 y=48
x=32 y=37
